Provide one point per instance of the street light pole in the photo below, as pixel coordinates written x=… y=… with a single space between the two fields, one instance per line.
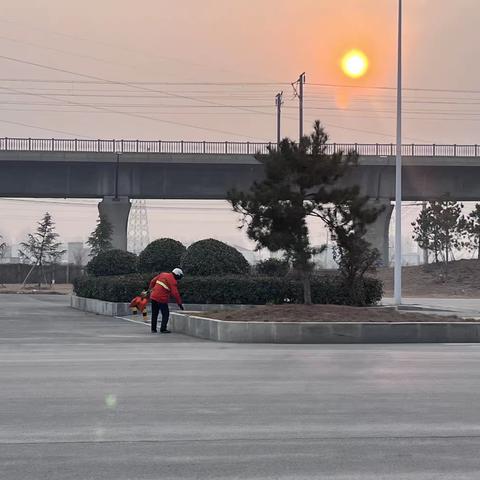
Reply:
x=301 y=83
x=279 y=103
x=398 y=171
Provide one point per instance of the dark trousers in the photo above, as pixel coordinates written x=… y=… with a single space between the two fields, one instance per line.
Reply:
x=156 y=309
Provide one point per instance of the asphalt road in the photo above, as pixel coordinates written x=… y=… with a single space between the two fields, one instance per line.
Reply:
x=90 y=397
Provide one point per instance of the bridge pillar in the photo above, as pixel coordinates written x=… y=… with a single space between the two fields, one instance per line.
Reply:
x=117 y=211
x=378 y=232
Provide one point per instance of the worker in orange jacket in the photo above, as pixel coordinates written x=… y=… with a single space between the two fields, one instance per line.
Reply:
x=162 y=287
x=139 y=303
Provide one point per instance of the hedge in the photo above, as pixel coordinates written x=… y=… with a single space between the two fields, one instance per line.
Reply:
x=112 y=262
x=212 y=257
x=273 y=267
x=249 y=290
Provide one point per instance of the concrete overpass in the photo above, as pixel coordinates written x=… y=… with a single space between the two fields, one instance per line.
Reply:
x=119 y=170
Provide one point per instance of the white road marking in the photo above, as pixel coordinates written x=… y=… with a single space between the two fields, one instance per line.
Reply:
x=134 y=321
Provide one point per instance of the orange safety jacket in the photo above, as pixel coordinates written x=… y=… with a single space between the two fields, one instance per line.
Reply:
x=163 y=286
x=139 y=302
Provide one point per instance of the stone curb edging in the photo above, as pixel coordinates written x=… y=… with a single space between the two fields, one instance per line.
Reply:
x=121 y=309
x=314 y=333
x=297 y=332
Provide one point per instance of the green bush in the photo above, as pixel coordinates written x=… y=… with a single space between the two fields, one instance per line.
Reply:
x=327 y=289
x=112 y=262
x=273 y=267
x=212 y=257
x=161 y=255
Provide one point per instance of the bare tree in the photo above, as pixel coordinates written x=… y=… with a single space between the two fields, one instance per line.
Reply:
x=3 y=247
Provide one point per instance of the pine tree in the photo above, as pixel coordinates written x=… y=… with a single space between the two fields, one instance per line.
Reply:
x=473 y=230
x=347 y=220
x=100 y=240
x=41 y=248
x=440 y=228
x=301 y=182
x=426 y=232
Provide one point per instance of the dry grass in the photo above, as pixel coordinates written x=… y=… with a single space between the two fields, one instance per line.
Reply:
x=60 y=289
x=429 y=281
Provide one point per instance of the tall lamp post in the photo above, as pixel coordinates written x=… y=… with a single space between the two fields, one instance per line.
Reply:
x=398 y=171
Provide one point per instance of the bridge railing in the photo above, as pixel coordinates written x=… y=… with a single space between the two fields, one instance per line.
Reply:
x=215 y=148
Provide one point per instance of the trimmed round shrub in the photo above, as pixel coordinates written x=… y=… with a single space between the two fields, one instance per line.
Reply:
x=112 y=262
x=212 y=257
x=161 y=255
x=273 y=267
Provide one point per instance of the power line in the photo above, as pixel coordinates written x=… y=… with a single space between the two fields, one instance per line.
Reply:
x=379 y=87
x=115 y=82
x=121 y=48
x=43 y=128
x=145 y=117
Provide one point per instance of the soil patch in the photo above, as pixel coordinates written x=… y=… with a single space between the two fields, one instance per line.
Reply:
x=462 y=281
x=326 y=313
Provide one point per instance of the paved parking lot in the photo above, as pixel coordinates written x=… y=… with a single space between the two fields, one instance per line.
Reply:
x=90 y=397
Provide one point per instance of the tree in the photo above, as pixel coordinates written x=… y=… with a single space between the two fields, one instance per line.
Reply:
x=80 y=256
x=440 y=228
x=100 y=240
x=3 y=247
x=300 y=182
x=472 y=225
x=41 y=248
x=347 y=220
x=426 y=233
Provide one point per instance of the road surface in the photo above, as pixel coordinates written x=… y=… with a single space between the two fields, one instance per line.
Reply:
x=90 y=397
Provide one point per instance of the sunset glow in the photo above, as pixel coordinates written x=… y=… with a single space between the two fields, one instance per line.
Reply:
x=355 y=64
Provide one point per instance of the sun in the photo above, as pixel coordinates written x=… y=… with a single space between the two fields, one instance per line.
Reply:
x=355 y=64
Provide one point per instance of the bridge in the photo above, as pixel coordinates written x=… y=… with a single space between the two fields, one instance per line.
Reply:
x=216 y=148
x=119 y=170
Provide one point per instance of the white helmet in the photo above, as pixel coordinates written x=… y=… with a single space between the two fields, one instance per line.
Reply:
x=178 y=272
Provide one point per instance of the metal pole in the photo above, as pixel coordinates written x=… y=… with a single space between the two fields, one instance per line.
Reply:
x=278 y=103
x=301 y=81
x=398 y=171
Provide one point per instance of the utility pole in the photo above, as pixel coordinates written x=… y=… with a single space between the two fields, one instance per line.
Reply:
x=398 y=171
x=299 y=94
x=278 y=104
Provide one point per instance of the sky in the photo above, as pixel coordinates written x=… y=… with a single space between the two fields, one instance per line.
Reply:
x=210 y=70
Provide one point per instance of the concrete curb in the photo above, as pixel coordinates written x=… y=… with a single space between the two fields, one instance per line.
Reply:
x=313 y=332
x=295 y=332
x=119 y=309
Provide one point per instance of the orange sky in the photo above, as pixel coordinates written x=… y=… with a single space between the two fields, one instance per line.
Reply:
x=249 y=41
x=246 y=41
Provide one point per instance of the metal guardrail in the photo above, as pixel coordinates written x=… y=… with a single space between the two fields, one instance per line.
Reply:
x=235 y=148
